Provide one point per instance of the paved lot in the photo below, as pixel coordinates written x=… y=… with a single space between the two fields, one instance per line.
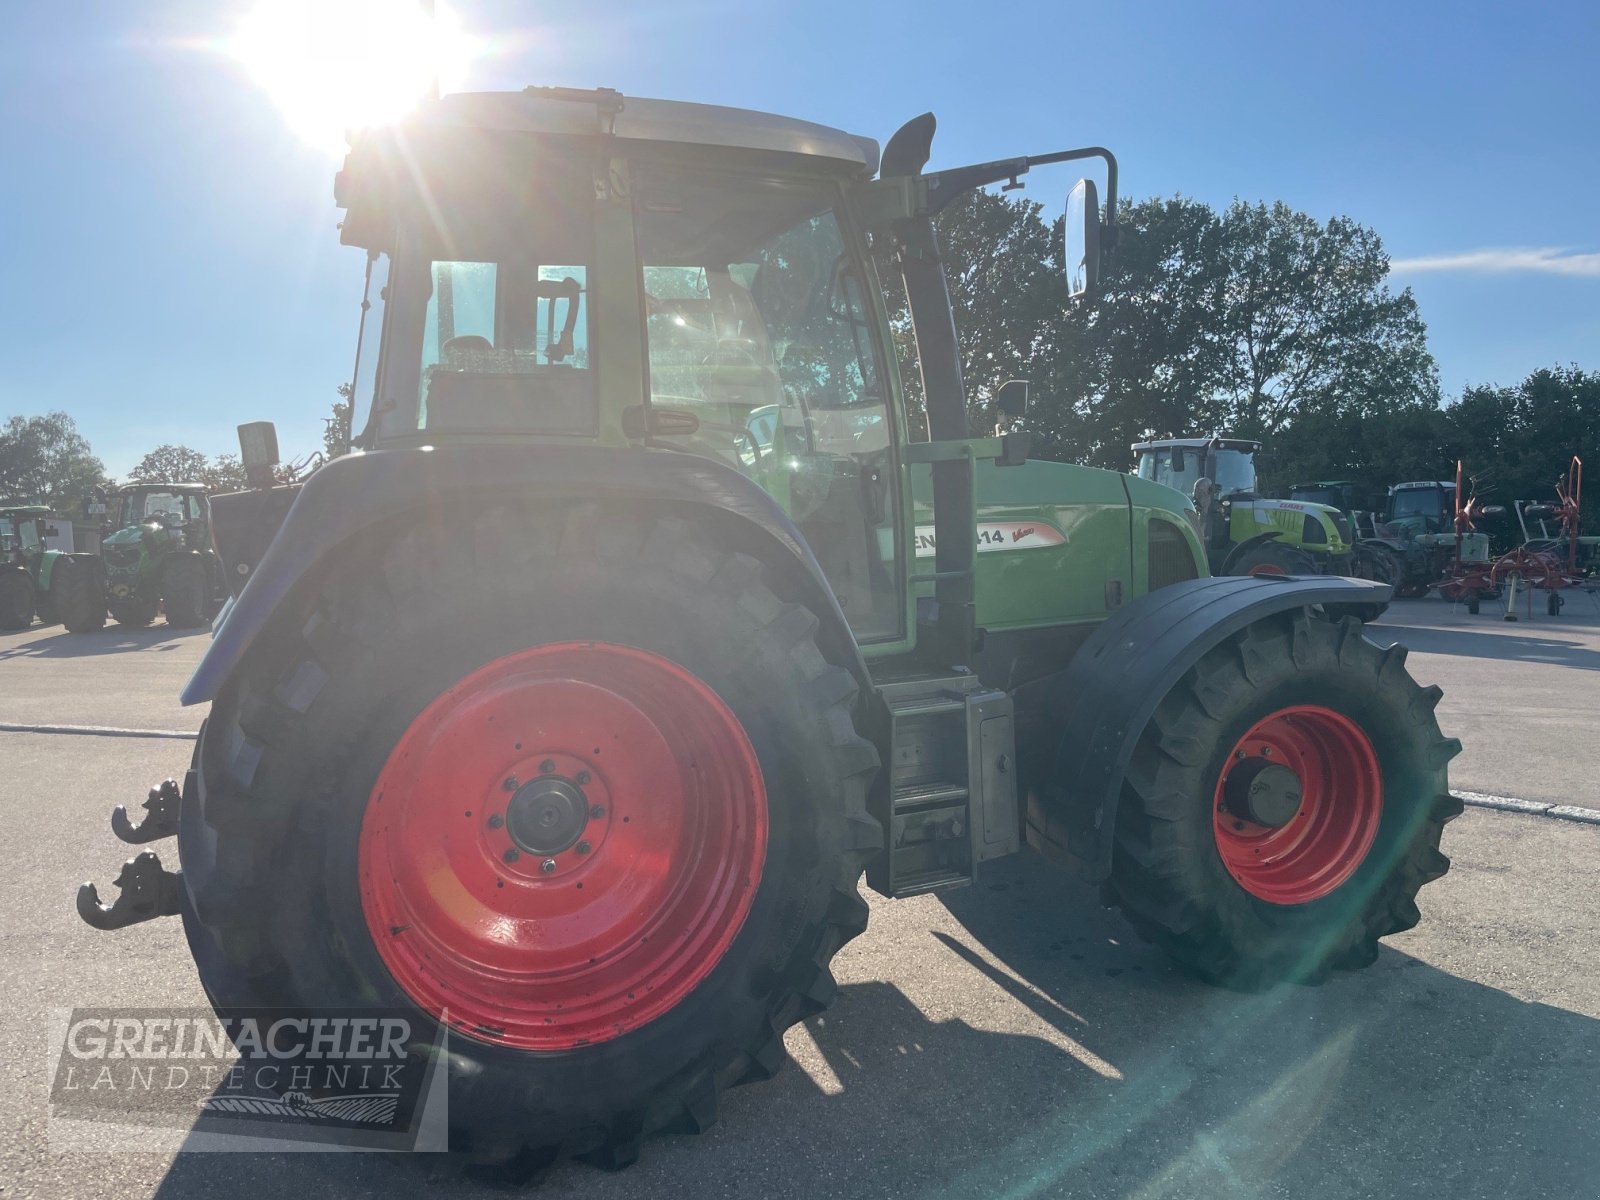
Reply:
x=1014 y=1039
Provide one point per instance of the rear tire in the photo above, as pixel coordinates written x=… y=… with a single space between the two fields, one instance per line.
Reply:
x=1319 y=900
x=77 y=588
x=16 y=600
x=186 y=591
x=299 y=739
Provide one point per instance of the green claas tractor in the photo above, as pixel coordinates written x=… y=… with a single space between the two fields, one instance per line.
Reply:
x=568 y=712
x=35 y=579
x=1247 y=534
x=159 y=556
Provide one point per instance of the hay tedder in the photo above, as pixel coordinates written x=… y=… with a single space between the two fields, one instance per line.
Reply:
x=1556 y=560
x=568 y=711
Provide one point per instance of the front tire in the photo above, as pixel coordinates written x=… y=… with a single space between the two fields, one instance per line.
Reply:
x=16 y=600
x=186 y=592
x=1284 y=805
x=331 y=743
x=136 y=611
x=1273 y=558
x=77 y=587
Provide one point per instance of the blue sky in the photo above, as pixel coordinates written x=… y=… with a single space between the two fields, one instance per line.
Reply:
x=173 y=267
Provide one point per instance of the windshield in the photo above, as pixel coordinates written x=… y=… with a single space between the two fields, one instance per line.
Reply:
x=1233 y=471
x=1417 y=502
x=144 y=506
x=8 y=534
x=762 y=351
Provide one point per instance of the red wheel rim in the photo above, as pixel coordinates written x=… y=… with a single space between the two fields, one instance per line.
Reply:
x=1340 y=786
x=1266 y=569
x=563 y=845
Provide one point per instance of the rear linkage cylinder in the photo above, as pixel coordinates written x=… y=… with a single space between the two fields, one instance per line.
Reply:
x=146 y=890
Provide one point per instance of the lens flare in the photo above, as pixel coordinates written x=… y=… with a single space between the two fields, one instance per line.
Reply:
x=336 y=65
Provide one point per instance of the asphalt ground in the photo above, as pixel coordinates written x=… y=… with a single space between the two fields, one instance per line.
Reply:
x=1013 y=1039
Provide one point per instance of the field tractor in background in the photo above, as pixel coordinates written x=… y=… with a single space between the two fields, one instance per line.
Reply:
x=157 y=555
x=1246 y=534
x=569 y=713
x=1418 y=529
x=37 y=580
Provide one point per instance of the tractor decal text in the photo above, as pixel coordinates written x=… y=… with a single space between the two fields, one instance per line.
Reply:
x=1000 y=535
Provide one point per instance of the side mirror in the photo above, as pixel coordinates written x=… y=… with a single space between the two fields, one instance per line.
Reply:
x=258 y=452
x=1083 y=237
x=1178 y=462
x=1011 y=401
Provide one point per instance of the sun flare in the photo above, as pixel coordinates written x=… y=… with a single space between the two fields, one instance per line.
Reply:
x=336 y=65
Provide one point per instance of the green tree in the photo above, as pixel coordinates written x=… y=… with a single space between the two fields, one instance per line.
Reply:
x=171 y=464
x=224 y=473
x=336 y=428
x=45 y=460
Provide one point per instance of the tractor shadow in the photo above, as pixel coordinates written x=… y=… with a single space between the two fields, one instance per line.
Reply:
x=1086 y=1065
x=1471 y=643
x=52 y=641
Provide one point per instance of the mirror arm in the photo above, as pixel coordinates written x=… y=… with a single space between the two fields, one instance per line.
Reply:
x=944 y=188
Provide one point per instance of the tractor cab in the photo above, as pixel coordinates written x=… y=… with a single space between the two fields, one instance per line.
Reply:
x=23 y=530
x=1229 y=464
x=1421 y=508
x=169 y=505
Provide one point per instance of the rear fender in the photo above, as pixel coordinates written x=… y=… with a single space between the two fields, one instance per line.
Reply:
x=353 y=494
x=1102 y=700
x=47 y=566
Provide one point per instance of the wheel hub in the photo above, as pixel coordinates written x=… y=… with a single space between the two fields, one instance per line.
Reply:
x=547 y=815
x=1264 y=792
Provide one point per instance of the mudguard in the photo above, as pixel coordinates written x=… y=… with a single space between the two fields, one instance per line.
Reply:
x=1245 y=546
x=1103 y=699
x=351 y=495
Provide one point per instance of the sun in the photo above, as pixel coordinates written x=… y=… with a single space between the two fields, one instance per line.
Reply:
x=336 y=65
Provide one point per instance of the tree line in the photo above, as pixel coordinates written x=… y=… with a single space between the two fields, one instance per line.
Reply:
x=46 y=460
x=1257 y=321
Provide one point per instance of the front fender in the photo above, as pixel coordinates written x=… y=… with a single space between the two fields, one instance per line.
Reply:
x=353 y=494
x=1103 y=699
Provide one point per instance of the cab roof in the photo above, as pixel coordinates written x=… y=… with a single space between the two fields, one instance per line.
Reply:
x=24 y=510
x=145 y=486
x=1200 y=443
x=577 y=112
x=1423 y=483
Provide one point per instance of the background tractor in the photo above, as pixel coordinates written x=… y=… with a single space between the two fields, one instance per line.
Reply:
x=157 y=552
x=569 y=713
x=1418 y=530
x=35 y=579
x=1246 y=534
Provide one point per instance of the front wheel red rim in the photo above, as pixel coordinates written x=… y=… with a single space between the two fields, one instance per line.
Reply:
x=563 y=845
x=1297 y=804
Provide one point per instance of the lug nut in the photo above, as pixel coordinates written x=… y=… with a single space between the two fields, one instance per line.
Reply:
x=548 y=865
x=512 y=854
x=547 y=766
x=598 y=811
x=583 y=778
x=1266 y=752
x=584 y=847
x=496 y=820
x=511 y=783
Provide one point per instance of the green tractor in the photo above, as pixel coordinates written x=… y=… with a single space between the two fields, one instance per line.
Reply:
x=1247 y=534
x=158 y=555
x=35 y=579
x=567 y=715
x=1418 y=531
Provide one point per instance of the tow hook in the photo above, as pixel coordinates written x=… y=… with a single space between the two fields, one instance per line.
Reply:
x=147 y=891
x=161 y=816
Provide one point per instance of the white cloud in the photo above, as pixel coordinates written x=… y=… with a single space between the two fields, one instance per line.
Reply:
x=1548 y=260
